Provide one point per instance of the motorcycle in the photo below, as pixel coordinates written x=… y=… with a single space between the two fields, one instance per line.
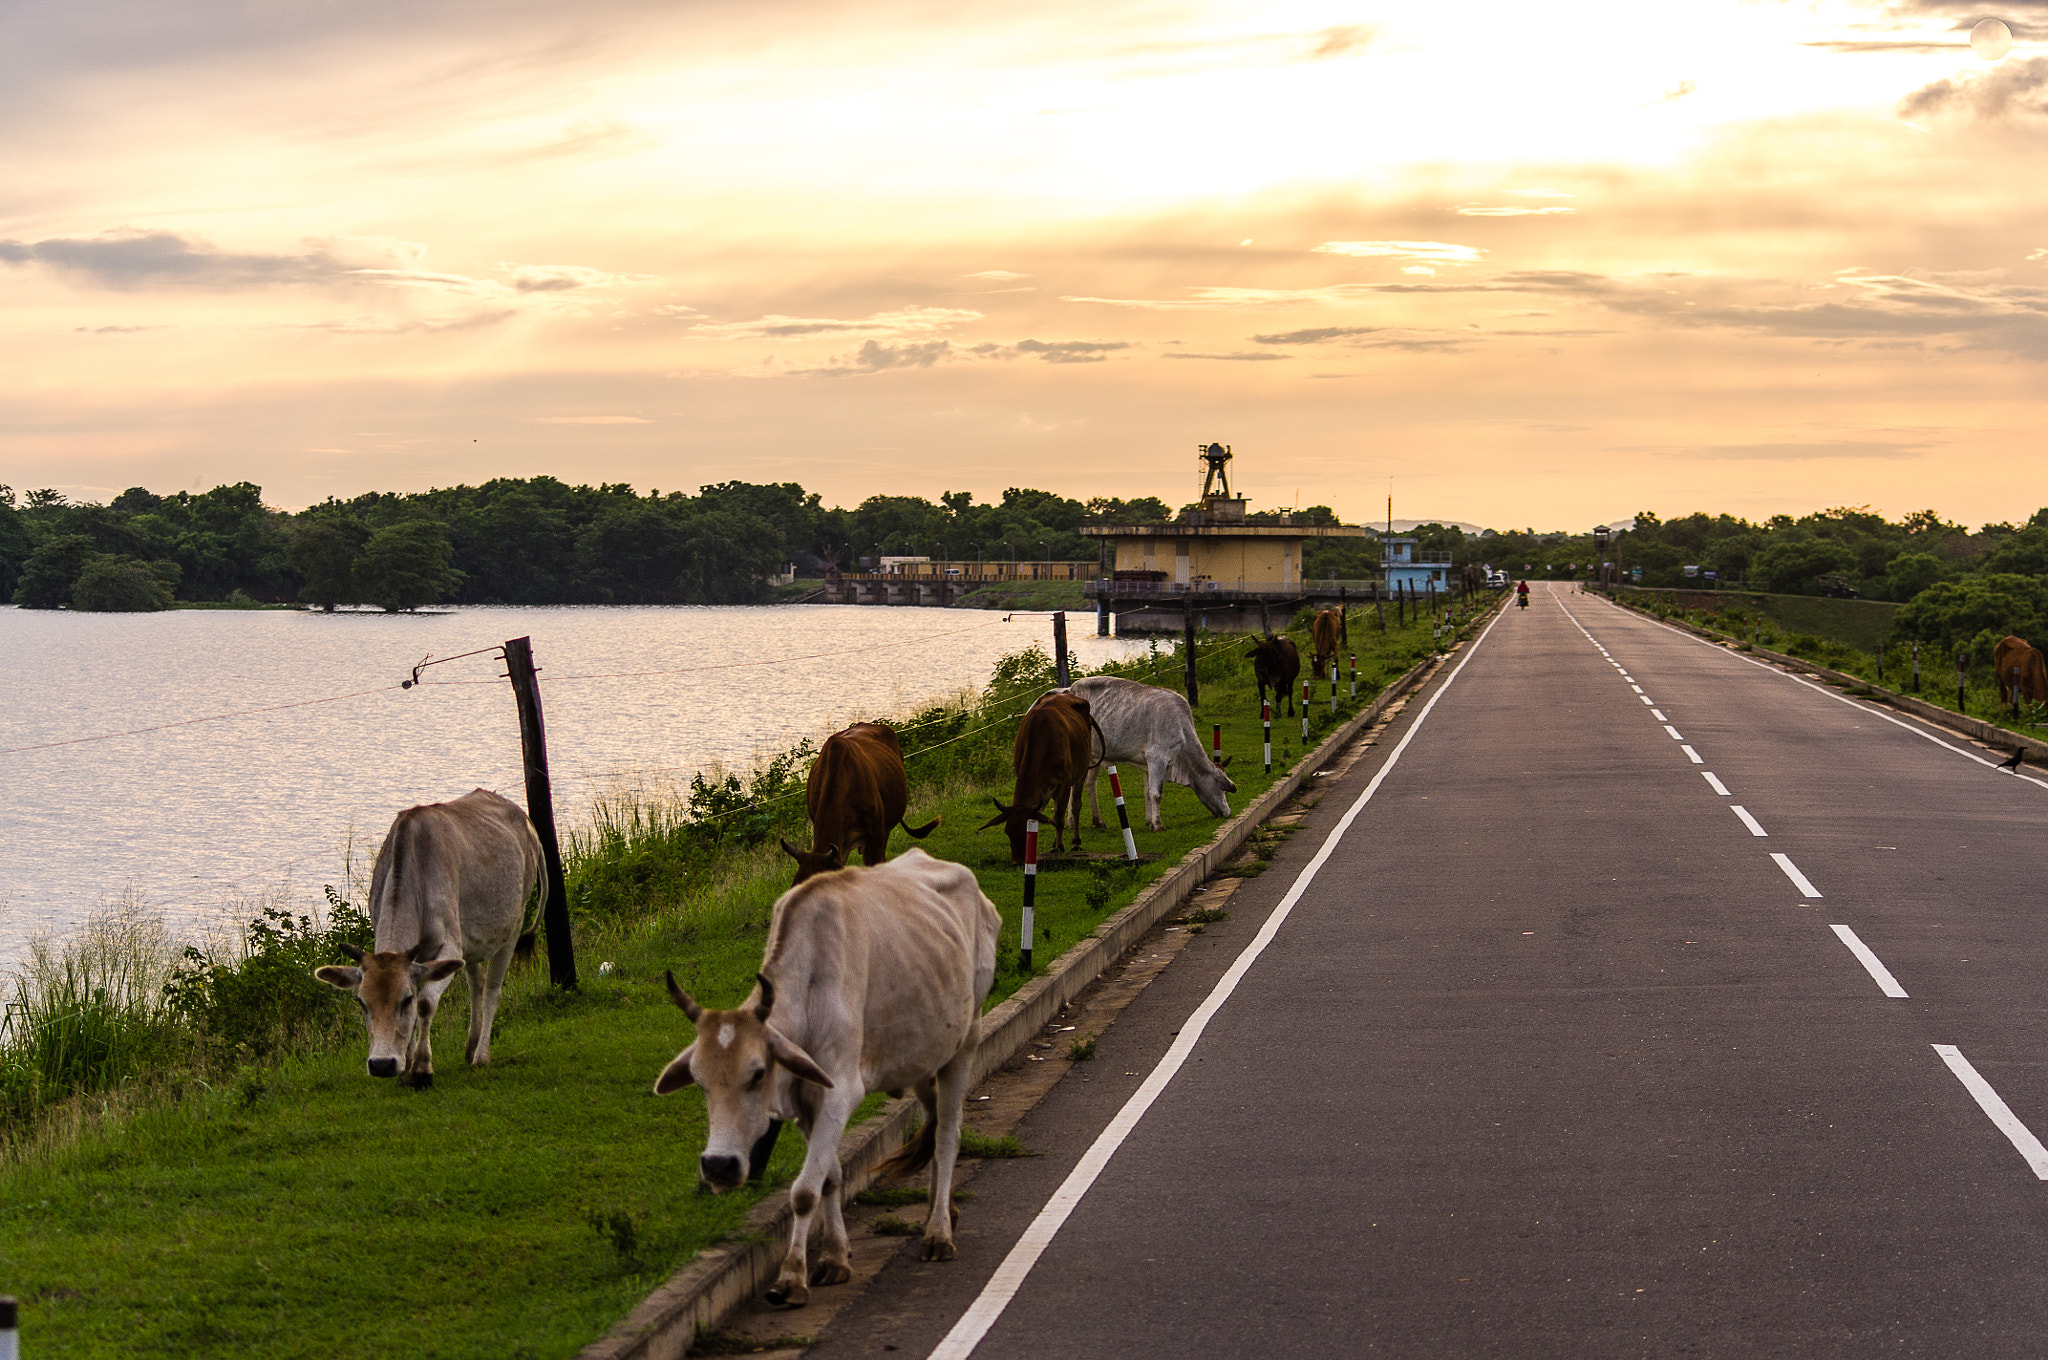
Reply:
x=1521 y=601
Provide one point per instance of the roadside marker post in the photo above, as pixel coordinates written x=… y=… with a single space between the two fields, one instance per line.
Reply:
x=1304 y=711
x=1030 y=890
x=1354 y=675
x=1333 y=683
x=1216 y=741
x=1123 y=817
x=1960 y=697
x=10 y=1319
x=1266 y=720
x=1916 y=668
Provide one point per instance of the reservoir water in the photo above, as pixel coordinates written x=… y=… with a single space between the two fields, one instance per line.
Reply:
x=109 y=787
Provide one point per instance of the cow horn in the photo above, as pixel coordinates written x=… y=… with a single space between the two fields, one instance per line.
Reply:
x=767 y=1002
x=681 y=997
x=1002 y=816
x=791 y=850
x=355 y=952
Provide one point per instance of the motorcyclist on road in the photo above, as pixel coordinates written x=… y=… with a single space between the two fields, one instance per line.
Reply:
x=1521 y=594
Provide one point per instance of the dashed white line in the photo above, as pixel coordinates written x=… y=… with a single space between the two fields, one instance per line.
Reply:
x=2001 y=1114
x=1719 y=787
x=1646 y=699
x=1871 y=963
x=1673 y=731
x=1692 y=755
x=1657 y=713
x=1755 y=829
x=1799 y=880
x=1637 y=688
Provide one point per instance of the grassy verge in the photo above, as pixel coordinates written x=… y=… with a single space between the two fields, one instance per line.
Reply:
x=1884 y=664
x=1861 y=625
x=256 y=1204
x=1031 y=595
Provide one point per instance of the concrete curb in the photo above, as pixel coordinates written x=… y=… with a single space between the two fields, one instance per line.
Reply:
x=1959 y=724
x=703 y=1293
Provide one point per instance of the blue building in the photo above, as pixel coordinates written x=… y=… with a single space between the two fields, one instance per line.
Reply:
x=1419 y=572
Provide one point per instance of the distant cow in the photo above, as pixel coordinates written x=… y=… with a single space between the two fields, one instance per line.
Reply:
x=1276 y=664
x=1156 y=727
x=449 y=891
x=873 y=981
x=857 y=791
x=2017 y=654
x=1051 y=755
x=1326 y=632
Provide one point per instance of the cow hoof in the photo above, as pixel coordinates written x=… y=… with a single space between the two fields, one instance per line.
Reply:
x=830 y=1272
x=789 y=1293
x=420 y=1081
x=938 y=1249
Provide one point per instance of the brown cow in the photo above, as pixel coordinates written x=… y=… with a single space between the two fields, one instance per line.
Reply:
x=857 y=791
x=1326 y=632
x=1276 y=662
x=2016 y=654
x=1051 y=754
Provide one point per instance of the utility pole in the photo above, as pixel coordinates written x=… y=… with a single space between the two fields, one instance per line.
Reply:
x=540 y=809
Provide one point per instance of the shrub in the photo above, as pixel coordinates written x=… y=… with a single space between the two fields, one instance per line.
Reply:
x=110 y=584
x=267 y=1000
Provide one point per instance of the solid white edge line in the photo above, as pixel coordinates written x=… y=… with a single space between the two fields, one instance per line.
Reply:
x=2001 y=1114
x=1872 y=965
x=1718 y=786
x=1755 y=827
x=1009 y=1277
x=1818 y=689
x=1799 y=880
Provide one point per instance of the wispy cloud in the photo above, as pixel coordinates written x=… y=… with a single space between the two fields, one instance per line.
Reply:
x=588 y=420
x=1511 y=210
x=876 y=357
x=2012 y=88
x=1438 y=252
x=1241 y=356
x=1793 y=452
x=905 y=321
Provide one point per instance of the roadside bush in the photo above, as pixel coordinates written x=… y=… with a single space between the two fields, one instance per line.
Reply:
x=267 y=1000
x=1969 y=616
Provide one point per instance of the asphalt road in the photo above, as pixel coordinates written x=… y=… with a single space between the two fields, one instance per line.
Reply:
x=1550 y=1056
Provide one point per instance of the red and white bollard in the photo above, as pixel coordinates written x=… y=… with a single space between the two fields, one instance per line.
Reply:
x=1030 y=890
x=1216 y=742
x=1266 y=721
x=1333 y=682
x=1304 y=715
x=1123 y=817
x=1354 y=675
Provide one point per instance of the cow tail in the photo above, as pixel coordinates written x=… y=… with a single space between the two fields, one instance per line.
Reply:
x=527 y=937
x=920 y=832
x=913 y=1156
x=1105 y=742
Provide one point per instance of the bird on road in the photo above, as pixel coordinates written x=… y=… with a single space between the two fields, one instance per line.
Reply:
x=2014 y=763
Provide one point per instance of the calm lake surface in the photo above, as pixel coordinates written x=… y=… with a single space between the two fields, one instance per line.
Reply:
x=204 y=817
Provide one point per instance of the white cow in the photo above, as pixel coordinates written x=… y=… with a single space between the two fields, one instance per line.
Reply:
x=873 y=980
x=449 y=890
x=1154 y=726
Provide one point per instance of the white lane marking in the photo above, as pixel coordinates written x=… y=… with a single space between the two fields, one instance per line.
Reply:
x=2001 y=1114
x=1646 y=700
x=1719 y=787
x=1637 y=688
x=1673 y=731
x=1871 y=963
x=1009 y=1277
x=1692 y=755
x=1819 y=689
x=1755 y=829
x=1799 y=880
x=1657 y=713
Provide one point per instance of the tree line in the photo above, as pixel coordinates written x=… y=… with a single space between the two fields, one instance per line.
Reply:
x=509 y=541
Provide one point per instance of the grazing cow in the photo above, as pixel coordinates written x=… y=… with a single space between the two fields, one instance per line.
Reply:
x=1276 y=663
x=1326 y=633
x=856 y=792
x=449 y=891
x=1155 y=726
x=2016 y=653
x=873 y=981
x=1051 y=756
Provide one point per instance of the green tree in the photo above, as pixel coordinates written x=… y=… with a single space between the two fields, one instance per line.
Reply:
x=1793 y=566
x=47 y=575
x=122 y=585
x=406 y=565
x=323 y=551
x=1910 y=573
x=1969 y=616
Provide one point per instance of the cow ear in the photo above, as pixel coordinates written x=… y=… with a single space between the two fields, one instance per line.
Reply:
x=681 y=997
x=795 y=1059
x=348 y=979
x=440 y=971
x=676 y=1075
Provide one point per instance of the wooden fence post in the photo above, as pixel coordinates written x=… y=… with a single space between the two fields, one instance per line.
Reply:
x=1059 y=649
x=1194 y=686
x=540 y=808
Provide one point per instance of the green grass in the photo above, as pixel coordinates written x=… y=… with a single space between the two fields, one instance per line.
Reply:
x=297 y=1207
x=1028 y=595
x=1859 y=624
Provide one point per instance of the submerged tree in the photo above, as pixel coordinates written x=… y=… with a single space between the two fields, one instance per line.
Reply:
x=406 y=565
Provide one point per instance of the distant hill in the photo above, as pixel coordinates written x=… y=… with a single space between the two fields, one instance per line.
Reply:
x=1402 y=526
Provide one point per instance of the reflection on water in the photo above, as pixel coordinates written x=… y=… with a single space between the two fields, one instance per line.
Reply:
x=196 y=814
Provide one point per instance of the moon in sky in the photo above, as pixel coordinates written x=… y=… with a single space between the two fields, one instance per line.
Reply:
x=1991 y=39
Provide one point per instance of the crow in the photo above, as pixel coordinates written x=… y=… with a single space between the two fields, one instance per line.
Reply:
x=2014 y=763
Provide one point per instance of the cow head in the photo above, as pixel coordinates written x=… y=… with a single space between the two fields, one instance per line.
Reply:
x=1213 y=786
x=388 y=987
x=811 y=863
x=734 y=1060
x=1012 y=820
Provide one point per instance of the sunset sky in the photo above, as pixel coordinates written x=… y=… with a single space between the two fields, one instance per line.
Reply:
x=1533 y=264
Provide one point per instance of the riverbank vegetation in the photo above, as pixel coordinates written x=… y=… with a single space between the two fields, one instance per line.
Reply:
x=199 y=1163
